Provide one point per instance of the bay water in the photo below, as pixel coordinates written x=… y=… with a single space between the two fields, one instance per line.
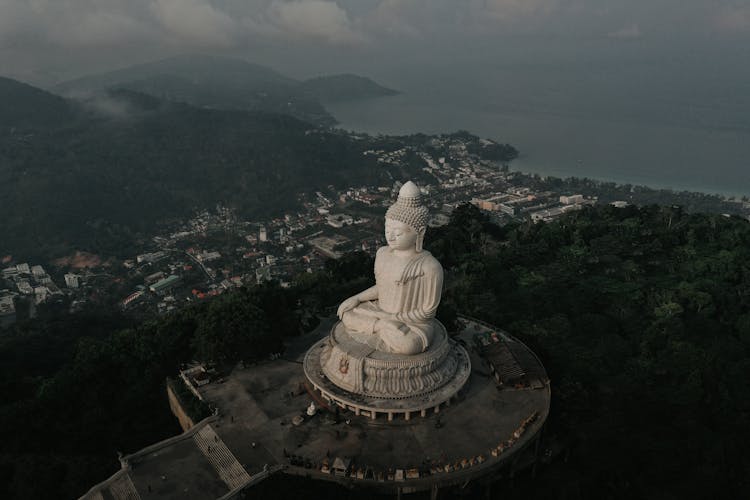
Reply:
x=654 y=118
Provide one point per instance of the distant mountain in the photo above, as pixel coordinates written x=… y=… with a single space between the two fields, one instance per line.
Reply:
x=226 y=83
x=94 y=174
x=345 y=87
x=23 y=106
x=197 y=69
x=210 y=82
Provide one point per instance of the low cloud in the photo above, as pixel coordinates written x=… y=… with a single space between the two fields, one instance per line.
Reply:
x=108 y=106
x=734 y=19
x=317 y=19
x=632 y=31
x=232 y=23
x=196 y=23
x=72 y=23
x=35 y=34
x=513 y=9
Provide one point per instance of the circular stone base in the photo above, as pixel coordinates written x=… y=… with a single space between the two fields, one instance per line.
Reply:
x=353 y=362
x=372 y=406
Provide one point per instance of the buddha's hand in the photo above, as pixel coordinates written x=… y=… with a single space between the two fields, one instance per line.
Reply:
x=347 y=305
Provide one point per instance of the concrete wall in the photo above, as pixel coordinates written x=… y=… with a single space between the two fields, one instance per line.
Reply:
x=182 y=417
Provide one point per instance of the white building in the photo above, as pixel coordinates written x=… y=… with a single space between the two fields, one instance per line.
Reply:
x=263 y=234
x=6 y=305
x=40 y=294
x=10 y=272
x=340 y=220
x=150 y=257
x=208 y=256
x=572 y=199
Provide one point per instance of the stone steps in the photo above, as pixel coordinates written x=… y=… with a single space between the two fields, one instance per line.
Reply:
x=221 y=458
x=124 y=489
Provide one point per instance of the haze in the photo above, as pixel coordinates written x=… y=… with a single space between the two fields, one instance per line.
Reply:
x=647 y=91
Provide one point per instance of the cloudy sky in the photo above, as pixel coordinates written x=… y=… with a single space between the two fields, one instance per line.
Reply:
x=647 y=91
x=42 y=41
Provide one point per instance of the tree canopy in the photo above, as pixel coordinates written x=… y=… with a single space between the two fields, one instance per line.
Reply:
x=641 y=317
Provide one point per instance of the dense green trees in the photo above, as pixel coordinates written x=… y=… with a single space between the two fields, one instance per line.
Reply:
x=232 y=329
x=642 y=318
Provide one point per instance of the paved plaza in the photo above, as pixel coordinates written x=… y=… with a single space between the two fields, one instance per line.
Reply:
x=254 y=435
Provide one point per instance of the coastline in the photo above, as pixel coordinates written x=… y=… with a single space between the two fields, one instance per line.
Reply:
x=659 y=156
x=524 y=166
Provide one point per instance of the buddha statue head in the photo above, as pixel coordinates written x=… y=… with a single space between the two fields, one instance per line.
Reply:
x=406 y=220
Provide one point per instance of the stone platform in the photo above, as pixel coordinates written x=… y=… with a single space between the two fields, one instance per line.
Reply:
x=253 y=436
x=428 y=380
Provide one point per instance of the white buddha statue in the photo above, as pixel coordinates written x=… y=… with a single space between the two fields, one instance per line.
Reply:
x=400 y=307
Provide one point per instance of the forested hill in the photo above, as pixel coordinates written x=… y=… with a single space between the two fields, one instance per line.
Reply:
x=23 y=106
x=641 y=316
x=208 y=81
x=94 y=173
x=229 y=83
x=344 y=87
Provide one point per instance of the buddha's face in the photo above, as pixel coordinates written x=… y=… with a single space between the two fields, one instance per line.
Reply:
x=400 y=236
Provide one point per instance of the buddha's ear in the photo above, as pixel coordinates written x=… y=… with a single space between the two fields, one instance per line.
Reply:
x=420 y=238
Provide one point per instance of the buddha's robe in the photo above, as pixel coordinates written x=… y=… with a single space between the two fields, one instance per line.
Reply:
x=409 y=293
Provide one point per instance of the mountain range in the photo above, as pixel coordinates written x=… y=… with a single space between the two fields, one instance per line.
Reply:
x=226 y=83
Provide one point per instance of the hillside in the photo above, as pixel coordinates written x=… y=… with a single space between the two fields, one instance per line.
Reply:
x=207 y=82
x=345 y=87
x=128 y=161
x=230 y=84
x=640 y=316
x=23 y=106
x=233 y=73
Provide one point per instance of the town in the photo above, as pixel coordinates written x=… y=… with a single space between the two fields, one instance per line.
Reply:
x=215 y=250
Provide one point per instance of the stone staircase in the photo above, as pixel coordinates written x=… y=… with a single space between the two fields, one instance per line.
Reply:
x=224 y=462
x=124 y=489
x=119 y=487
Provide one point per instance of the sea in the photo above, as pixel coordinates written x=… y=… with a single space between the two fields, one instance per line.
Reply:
x=659 y=118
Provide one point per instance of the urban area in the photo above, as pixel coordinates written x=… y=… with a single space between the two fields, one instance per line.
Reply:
x=215 y=251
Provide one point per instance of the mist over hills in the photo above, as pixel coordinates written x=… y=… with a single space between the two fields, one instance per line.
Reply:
x=94 y=173
x=226 y=83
